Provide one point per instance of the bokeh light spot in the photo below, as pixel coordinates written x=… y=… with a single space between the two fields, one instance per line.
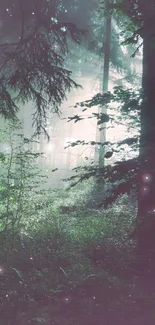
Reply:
x=147 y=178
x=144 y=190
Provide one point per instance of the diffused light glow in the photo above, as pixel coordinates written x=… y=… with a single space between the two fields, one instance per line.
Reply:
x=1 y=270
x=146 y=178
x=144 y=190
x=49 y=148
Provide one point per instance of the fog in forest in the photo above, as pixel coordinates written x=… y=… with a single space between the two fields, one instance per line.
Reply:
x=87 y=70
x=77 y=176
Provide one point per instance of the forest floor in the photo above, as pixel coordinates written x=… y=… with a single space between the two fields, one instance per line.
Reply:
x=100 y=298
x=78 y=267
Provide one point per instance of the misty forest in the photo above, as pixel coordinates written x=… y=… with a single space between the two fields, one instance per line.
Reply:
x=77 y=162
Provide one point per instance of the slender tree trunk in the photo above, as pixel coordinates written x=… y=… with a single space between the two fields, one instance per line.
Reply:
x=107 y=54
x=146 y=190
x=107 y=45
x=101 y=134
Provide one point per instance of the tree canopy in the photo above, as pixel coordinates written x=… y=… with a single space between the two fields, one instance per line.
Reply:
x=33 y=45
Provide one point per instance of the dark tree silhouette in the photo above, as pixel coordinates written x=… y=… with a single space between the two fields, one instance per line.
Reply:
x=33 y=45
x=141 y=30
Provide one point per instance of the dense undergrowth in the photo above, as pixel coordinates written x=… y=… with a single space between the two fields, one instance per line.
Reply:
x=65 y=259
x=62 y=259
x=70 y=264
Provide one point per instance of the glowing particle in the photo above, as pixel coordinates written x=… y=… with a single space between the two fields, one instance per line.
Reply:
x=146 y=178
x=144 y=190
x=66 y=299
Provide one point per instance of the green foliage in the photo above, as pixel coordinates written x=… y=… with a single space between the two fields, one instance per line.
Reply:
x=18 y=176
x=122 y=177
x=61 y=254
x=127 y=100
x=122 y=26
x=59 y=258
x=32 y=65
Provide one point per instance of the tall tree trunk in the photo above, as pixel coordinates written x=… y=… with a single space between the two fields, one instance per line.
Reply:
x=146 y=193
x=107 y=45
x=101 y=134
